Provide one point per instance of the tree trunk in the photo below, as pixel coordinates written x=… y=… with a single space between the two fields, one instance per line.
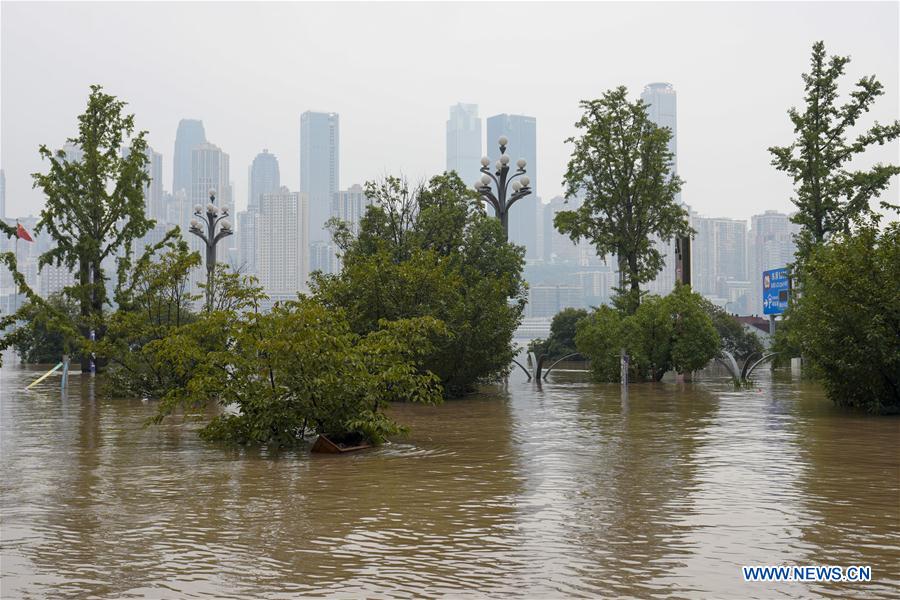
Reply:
x=84 y=280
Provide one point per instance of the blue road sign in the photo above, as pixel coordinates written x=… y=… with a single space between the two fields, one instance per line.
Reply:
x=776 y=286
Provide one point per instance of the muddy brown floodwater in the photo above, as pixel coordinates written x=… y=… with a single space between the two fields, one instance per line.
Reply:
x=567 y=490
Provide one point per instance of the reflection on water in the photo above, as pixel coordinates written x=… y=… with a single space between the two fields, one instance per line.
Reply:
x=565 y=490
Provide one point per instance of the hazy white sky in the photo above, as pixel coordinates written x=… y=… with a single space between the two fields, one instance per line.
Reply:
x=393 y=69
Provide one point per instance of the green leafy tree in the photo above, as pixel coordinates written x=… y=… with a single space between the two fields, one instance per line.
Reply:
x=153 y=302
x=830 y=195
x=300 y=370
x=621 y=164
x=432 y=252
x=94 y=203
x=671 y=333
x=562 y=334
x=847 y=323
x=38 y=315
x=599 y=337
x=40 y=340
x=155 y=341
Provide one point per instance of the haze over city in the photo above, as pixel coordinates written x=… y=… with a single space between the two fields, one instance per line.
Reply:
x=347 y=316
x=393 y=70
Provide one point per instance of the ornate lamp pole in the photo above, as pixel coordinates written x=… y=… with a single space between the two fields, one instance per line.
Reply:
x=503 y=201
x=214 y=216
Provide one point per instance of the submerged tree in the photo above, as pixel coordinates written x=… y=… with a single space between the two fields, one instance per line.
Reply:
x=432 y=252
x=847 y=324
x=300 y=370
x=94 y=203
x=670 y=333
x=621 y=165
x=830 y=195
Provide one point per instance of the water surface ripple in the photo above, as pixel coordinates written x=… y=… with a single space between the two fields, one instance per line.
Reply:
x=568 y=490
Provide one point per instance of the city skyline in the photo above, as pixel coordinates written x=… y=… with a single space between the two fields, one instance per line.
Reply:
x=390 y=130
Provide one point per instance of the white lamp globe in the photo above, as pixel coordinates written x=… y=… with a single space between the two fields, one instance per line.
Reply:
x=503 y=140
x=516 y=186
x=504 y=159
x=226 y=225
x=485 y=161
x=521 y=163
x=498 y=166
x=476 y=186
x=485 y=180
x=195 y=224
x=212 y=193
x=525 y=181
x=198 y=208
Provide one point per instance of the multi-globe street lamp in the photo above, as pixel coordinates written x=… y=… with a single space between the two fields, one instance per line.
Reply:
x=502 y=201
x=204 y=227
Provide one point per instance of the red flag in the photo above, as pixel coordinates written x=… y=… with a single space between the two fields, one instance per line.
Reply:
x=23 y=234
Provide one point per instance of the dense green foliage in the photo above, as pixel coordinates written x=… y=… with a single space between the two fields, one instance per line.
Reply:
x=300 y=370
x=432 y=252
x=829 y=195
x=671 y=333
x=622 y=166
x=40 y=341
x=153 y=303
x=94 y=205
x=847 y=322
x=562 y=335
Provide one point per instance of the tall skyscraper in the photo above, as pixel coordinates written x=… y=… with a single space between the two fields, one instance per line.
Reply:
x=521 y=131
x=464 y=150
x=153 y=192
x=282 y=242
x=264 y=177
x=156 y=207
x=2 y=194
x=190 y=134
x=320 y=173
x=662 y=109
x=246 y=240
x=350 y=207
x=719 y=253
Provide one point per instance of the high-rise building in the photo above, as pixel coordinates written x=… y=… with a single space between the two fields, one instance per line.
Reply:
x=282 y=258
x=153 y=193
x=464 y=150
x=264 y=177
x=246 y=241
x=322 y=257
x=662 y=109
x=190 y=134
x=2 y=194
x=719 y=253
x=350 y=207
x=154 y=207
x=772 y=246
x=320 y=173
x=521 y=132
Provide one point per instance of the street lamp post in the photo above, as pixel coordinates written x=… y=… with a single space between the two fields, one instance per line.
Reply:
x=503 y=181
x=213 y=216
